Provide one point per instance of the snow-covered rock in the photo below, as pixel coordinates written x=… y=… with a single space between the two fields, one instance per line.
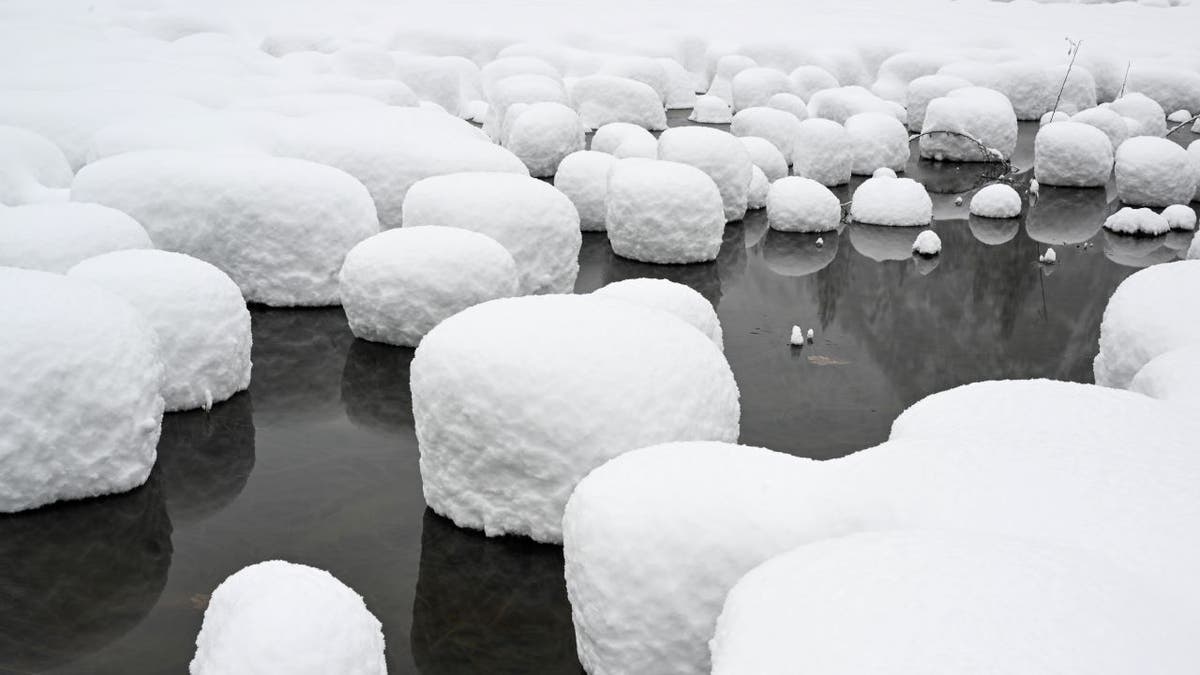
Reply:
x=32 y=168
x=80 y=383
x=718 y=154
x=927 y=243
x=641 y=69
x=728 y=66
x=924 y=89
x=509 y=425
x=752 y=87
x=1053 y=116
x=1049 y=257
x=789 y=102
x=397 y=285
x=1180 y=217
x=766 y=156
x=775 y=125
x=808 y=80
x=1141 y=221
x=493 y=72
x=797 y=204
x=542 y=135
x=822 y=152
x=277 y=616
x=53 y=237
x=711 y=109
x=1149 y=115
x=1072 y=154
x=1107 y=120
x=1029 y=87
x=1179 y=116
x=663 y=212
x=583 y=177
x=680 y=90
x=198 y=312
x=998 y=200
x=614 y=134
x=677 y=299
x=1078 y=92
x=982 y=114
x=279 y=227
x=602 y=99
x=1171 y=88
x=876 y=140
x=1171 y=376
x=1152 y=312
x=514 y=91
x=536 y=223
x=1154 y=171
x=891 y=201
x=756 y=196
x=842 y=103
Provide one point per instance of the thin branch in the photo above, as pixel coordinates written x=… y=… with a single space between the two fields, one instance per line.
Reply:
x=989 y=154
x=1182 y=124
x=1074 y=52
x=1128 y=65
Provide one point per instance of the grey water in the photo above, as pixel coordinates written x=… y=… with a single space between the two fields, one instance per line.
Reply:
x=317 y=462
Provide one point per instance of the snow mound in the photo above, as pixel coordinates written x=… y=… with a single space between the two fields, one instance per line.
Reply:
x=766 y=157
x=1137 y=221
x=680 y=90
x=876 y=140
x=718 y=154
x=198 y=312
x=777 y=126
x=508 y=426
x=614 y=134
x=756 y=197
x=542 y=135
x=1107 y=120
x=677 y=299
x=752 y=87
x=891 y=201
x=808 y=80
x=32 y=168
x=796 y=204
x=53 y=237
x=278 y=227
x=663 y=212
x=981 y=114
x=997 y=200
x=277 y=616
x=789 y=102
x=922 y=90
x=711 y=109
x=728 y=66
x=397 y=285
x=536 y=223
x=822 y=152
x=1078 y=92
x=1171 y=88
x=1193 y=150
x=583 y=177
x=1154 y=171
x=1180 y=217
x=80 y=382
x=1171 y=376
x=518 y=90
x=603 y=99
x=1072 y=154
x=1029 y=87
x=640 y=68
x=927 y=243
x=638 y=146
x=1149 y=115
x=842 y=103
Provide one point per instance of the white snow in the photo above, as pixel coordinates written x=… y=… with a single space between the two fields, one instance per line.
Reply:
x=1193 y=150
x=796 y=204
x=842 y=103
x=718 y=154
x=789 y=102
x=603 y=99
x=1148 y=114
x=198 y=313
x=1180 y=217
x=1155 y=172
x=663 y=212
x=612 y=135
x=680 y=90
x=32 y=168
x=1049 y=257
x=809 y=79
x=876 y=140
x=583 y=178
x=1053 y=116
x=728 y=66
x=1107 y=120
x=1172 y=88
x=507 y=426
x=927 y=243
x=1029 y=87
x=1179 y=116
x=80 y=382
x=1171 y=376
x=982 y=114
x=1141 y=221
x=777 y=126
x=756 y=196
x=924 y=89
x=677 y=299
x=891 y=201
x=278 y=616
x=822 y=152
x=543 y=134
x=536 y=223
x=637 y=146
x=514 y=90
x=1079 y=92
x=998 y=200
x=53 y=237
x=797 y=337
x=766 y=157
x=711 y=109
x=1072 y=154
x=753 y=87
x=641 y=69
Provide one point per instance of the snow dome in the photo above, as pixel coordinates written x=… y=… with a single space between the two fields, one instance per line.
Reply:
x=711 y=109
x=718 y=154
x=1180 y=217
x=924 y=89
x=32 y=168
x=542 y=135
x=927 y=243
x=397 y=285
x=1072 y=154
x=601 y=99
x=198 y=312
x=998 y=200
x=797 y=204
x=1029 y=87
x=508 y=425
x=775 y=125
x=80 y=382
x=789 y=102
x=753 y=86
x=756 y=196
x=612 y=135
x=277 y=616
x=637 y=146
x=279 y=227
x=583 y=177
x=680 y=89
x=640 y=68
x=891 y=201
x=1107 y=120
x=1141 y=221
x=983 y=114
x=1149 y=115
x=843 y=103
x=1172 y=88
x=876 y=140
x=822 y=152
x=808 y=80
x=766 y=156
x=1171 y=376
x=1154 y=172
x=1079 y=90
x=728 y=66
x=677 y=299
x=536 y=223
x=663 y=212
x=515 y=90
x=53 y=237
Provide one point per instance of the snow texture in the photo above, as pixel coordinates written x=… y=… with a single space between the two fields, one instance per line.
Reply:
x=808 y=80
x=822 y=152
x=797 y=204
x=1180 y=217
x=515 y=90
x=891 y=201
x=982 y=114
x=583 y=178
x=777 y=126
x=756 y=197
x=1107 y=120
x=789 y=102
x=842 y=103
x=728 y=66
x=998 y=200
x=612 y=135
x=766 y=157
x=603 y=99
x=1171 y=376
x=53 y=237
x=542 y=135
x=677 y=299
x=1079 y=93
x=718 y=154
x=663 y=212
x=753 y=87
x=1072 y=154
x=876 y=140
x=1148 y=114
x=1172 y=88
x=711 y=109
x=924 y=89
x=1141 y=221
x=1155 y=172
x=32 y=168
x=927 y=243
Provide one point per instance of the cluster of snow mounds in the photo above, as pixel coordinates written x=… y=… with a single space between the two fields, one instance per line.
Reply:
x=32 y=168
x=1072 y=154
x=1141 y=221
x=542 y=135
x=80 y=389
x=536 y=223
x=975 y=116
x=198 y=312
x=1148 y=117
x=602 y=99
x=516 y=91
x=822 y=152
x=663 y=212
x=509 y=425
x=52 y=237
x=1151 y=313
x=677 y=299
x=797 y=204
x=917 y=601
x=777 y=126
x=397 y=285
x=885 y=200
x=727 y=68
x=1155 y=172
x=277 y=616
x=279 y=227
x=843 y=103
x=717 y=153
x=1171 y=88
x=711 y=109
x=583 y=177
x=997 y=200
x=1114 y=126
x=876 y=140
x=755 y=86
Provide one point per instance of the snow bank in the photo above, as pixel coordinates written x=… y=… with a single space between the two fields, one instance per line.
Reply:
x=677 y=299
x=766 y=157
x=711 y=109
x=1079 y=92
x=1072 y=154
x=718 y=154
x=80 y=376
x=842 y=103
x=822 y=152
x=542 y=135
x=507 y=426
x=198 y=313
x=514 y=90
x=796 y=204
x=583 y=177
x=876 y=140
x=53 y=237
x=982 y=114
x=1154 y=172
x=641 y=69
x=680 y=90
x=32 y=168
x=997 y=200
x=891 y=201
x=1171 y=88
x=778 y=126
x=663 y=212
x=1029 y=87
x=602 y=99
x=536 y=223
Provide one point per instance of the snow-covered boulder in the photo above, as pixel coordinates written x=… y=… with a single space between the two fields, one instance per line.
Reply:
x=711 y=109
x=681 y=90
x=728 y=66
x=998 y=200
x=677 y=299
x=1171 y=376
x=982 y=114
x=198 y=312
x=516 y=90
x=536 y=223
x=1180 y=217
x=927 y=244
x=1078 y=92
x=797 y=204
x=1107 y=120
x=752 y=87
x=602 y=99
x=640 y=69
x=808 y=80
x=639 y=146
x=614 y=134
x=1154 y=171
x=1141 y=221
x=924 y=89
x=1171 y=88
x=32 y=168
x=397 y=285
x=756 y=196
x=843 y=103
x=1072 y=154
x=876 y=140
x=53 y=237
x=1152 y=312
x=542 y=135
x=789 y=102
x=773 y=124
x=279 y=227
x=80 y=382
x=718 y=154
x=493 y=72
x=583 y=177
x=663 y=212
x=1149 y=115
x=277 y=616
x=891 y=201
x=766 y=156
x=821 y=151
x=1029 y=87
x=508 y=426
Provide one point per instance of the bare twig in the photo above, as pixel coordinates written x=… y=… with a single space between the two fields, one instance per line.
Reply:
x=1128 y=65
x=1074 y=52
x=1182 y=124
x=989 y=154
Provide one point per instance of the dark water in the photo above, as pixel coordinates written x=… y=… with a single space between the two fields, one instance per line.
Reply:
x=317 y=463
